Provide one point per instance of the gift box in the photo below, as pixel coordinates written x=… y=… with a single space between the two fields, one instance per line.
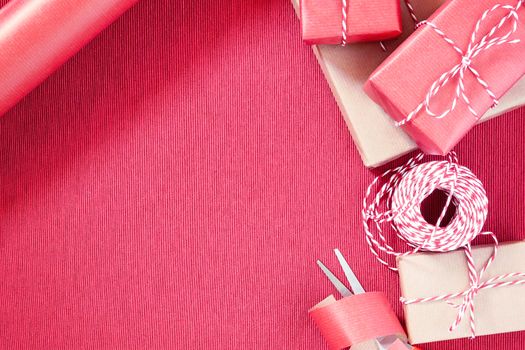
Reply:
x=323 y=21
x=497 y=310
x=346 y=69
x=445 y=76
x=38 y=36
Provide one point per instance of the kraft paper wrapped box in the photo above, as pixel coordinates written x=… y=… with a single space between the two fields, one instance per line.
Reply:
x=347 y=69
x=322 y=20
x=403 y=83
x=497 y=310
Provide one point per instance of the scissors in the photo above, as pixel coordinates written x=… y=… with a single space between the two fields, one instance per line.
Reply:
x=382 y=343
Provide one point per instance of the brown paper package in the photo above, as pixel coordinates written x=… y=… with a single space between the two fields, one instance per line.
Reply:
x=377 y=139
x=497 y=310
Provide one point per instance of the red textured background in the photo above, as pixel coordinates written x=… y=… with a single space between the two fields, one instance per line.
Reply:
x=172 y=185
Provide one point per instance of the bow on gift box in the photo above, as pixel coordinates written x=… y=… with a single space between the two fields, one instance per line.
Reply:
x=475 y=47
x=476 y=285
x=359 y=320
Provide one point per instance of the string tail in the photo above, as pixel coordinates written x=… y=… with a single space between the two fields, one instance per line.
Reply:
x=344 y=22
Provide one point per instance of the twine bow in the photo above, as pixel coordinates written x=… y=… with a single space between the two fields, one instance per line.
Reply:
x=457 y=74
x=469 y=295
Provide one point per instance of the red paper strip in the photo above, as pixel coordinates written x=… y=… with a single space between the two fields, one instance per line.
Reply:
x=356 y=319
x=37 y=36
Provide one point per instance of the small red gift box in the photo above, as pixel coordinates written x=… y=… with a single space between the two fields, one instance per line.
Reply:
x=447 y=74
x=349 y=21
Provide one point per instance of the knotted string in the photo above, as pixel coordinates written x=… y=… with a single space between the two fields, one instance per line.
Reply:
x=457 y=74
x=411 y=11
x=397 y=202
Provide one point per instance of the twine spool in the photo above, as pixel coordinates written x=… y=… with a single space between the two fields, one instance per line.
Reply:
x=398 y=204
x=401 y=196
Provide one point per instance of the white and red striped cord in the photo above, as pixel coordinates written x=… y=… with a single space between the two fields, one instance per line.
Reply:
x=395 y=205
x=344 y=20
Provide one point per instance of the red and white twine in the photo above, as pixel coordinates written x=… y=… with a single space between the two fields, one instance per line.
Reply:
x=411 y=11
x=395 y=205
x=345 y=14
x=475 y=47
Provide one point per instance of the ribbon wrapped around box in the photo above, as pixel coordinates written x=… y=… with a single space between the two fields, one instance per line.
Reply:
x=347 y=69
x=349 y=21
x=37 y=36
x=427 y=279
x=356 y=321
x=450 y=71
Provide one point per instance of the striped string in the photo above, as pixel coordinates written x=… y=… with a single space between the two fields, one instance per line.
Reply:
x=457 y=74
x=345 y=14
x=393 y=202
x=411 y=11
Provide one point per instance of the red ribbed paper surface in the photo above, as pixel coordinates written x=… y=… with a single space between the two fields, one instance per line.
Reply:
x=171 y=186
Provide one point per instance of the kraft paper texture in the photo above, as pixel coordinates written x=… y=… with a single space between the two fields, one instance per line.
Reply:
x=497 y=310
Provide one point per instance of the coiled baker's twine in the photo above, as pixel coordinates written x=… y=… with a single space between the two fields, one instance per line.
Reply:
x=398 y=202
x=396 y=206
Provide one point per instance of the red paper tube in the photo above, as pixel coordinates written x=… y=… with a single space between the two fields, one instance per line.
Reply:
x=356 y=319
x=38 y=36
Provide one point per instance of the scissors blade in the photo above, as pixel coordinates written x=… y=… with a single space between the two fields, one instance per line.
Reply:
x=350 y=276
x=341 y=288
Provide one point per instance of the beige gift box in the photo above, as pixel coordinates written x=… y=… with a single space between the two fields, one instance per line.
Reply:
x=497 y=310
x=347 y=69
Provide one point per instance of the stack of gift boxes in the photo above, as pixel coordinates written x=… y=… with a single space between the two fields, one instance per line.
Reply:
x=428 y=72
x=348 y=69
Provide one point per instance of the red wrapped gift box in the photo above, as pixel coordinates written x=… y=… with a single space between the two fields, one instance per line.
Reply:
x=409 y=80
x=366 y=20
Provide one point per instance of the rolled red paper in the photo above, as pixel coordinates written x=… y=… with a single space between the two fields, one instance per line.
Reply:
x=38 y=36
x=355 y=319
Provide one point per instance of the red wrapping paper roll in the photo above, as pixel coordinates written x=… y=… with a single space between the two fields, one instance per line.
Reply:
x=355 y=320
x=38 y=36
